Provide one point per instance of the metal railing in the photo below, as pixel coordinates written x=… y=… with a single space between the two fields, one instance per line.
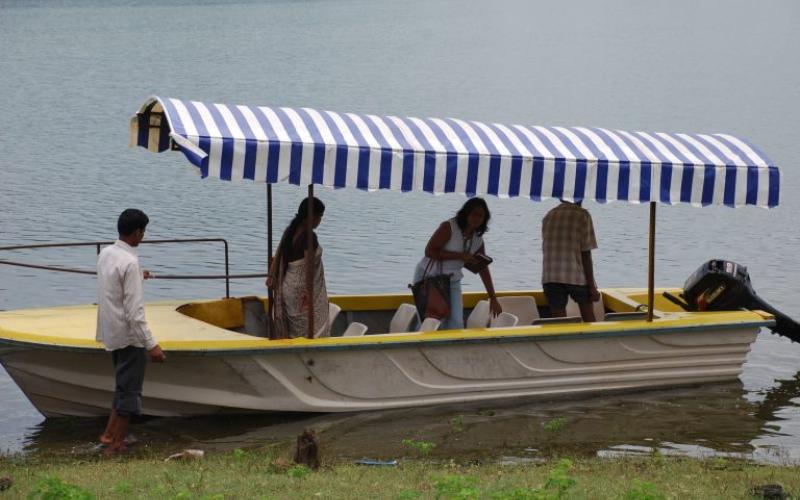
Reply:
x=99 y=244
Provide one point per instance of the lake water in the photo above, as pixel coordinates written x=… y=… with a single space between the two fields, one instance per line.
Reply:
x=72 y=73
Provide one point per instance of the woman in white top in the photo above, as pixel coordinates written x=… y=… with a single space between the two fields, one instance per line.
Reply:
x=454 y=244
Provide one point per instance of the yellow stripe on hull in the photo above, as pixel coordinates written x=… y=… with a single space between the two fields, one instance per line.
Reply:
x=74 y=326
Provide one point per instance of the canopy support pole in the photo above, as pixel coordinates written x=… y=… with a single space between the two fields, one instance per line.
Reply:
x=651 y=263
x=270 y=297
x=310 y=258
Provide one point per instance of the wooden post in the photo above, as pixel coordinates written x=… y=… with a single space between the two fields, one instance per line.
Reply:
x=651 y=263
x=310 y=259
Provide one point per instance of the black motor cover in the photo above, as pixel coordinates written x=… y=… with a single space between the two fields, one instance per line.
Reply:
x=722 y=285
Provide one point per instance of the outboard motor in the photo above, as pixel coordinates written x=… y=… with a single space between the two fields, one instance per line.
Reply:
x=722 y=285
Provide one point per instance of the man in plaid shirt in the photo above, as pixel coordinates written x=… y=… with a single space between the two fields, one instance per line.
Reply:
x=567 y=243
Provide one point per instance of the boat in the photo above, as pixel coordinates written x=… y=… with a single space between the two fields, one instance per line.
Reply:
x=221 y=362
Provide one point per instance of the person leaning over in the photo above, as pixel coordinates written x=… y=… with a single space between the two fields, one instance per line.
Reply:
x=567 y=271
x=121 y=324
x=453 y=244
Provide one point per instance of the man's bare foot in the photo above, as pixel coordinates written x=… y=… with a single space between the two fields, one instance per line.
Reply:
x=115 y=449
x=129 y=440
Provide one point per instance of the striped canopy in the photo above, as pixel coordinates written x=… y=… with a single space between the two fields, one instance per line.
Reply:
x=303 y=146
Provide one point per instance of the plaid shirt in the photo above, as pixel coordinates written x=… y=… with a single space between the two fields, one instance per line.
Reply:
x=567 y=230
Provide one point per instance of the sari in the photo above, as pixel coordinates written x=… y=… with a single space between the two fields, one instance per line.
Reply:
x=291 y=302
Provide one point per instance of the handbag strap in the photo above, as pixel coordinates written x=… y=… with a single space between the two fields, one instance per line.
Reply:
x=430 y=265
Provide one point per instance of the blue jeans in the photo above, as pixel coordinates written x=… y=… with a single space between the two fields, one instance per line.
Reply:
x=456 y=319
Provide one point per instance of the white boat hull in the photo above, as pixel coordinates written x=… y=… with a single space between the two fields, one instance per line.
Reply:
x=79 y=382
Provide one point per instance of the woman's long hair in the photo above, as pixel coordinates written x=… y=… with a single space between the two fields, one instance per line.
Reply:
x=299 y=219
x=469 y=206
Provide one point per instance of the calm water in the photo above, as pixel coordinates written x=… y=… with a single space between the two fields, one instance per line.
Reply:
x=72 y=73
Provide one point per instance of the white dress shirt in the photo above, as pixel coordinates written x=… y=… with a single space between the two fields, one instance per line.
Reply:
x=120 y=299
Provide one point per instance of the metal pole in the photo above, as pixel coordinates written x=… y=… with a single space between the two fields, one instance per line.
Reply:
x=651 y=263
x=310 y=257
x=269 y=241
x=227 y=273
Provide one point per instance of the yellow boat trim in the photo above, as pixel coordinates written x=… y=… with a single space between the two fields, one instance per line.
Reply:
x=74 y=326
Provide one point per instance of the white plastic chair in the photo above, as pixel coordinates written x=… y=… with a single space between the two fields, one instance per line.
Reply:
x=521 y=306
x=598 y=307
x=479 y=317
x=333 y=311
x=502 y=320
x=355 y=329
x=404 y=319
x=430 y=325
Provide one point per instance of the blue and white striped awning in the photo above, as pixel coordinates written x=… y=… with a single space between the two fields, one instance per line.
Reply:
x=303 y=146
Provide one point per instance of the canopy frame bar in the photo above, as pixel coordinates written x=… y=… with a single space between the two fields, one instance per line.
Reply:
x=651 y=262
x=311 y=259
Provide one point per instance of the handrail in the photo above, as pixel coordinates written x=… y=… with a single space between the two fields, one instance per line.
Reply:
x=98 y=244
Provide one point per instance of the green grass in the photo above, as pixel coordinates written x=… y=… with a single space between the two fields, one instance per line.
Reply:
x=269 y=474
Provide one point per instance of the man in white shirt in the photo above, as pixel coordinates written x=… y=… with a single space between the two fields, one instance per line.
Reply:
x=121 y=325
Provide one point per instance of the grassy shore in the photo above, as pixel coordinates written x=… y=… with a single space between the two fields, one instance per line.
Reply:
x=268 y=474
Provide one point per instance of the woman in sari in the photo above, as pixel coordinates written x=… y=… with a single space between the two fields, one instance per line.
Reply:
x=287 y=279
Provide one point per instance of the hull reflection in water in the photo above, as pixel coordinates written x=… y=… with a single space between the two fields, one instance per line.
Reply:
x=714 y=417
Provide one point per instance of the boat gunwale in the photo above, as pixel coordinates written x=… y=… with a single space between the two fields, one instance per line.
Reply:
x=402 y=340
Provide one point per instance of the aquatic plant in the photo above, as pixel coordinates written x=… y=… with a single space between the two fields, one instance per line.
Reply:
x=457 y=423
x=423 y=447
x=555 y=424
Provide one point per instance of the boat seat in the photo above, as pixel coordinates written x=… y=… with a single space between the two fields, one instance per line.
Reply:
x=430 y=325
x=480 y=315
x=255 y=316
x=333 y=312
x=599 y=309
x=554 y=321
x=504 y=319
x=521 y=306
x=626 y=316
x=355 y=329
x=404 y=319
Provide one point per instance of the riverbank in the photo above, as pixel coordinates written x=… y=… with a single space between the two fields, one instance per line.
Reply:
x=268 y=473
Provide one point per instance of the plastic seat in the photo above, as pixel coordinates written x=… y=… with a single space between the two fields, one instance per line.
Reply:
x=521 y=306
x=255 y=316
x=504 y=319
x=430 y=325
x=355 y=329
x=333 y=311
x=404 y=319
x=479 y=317
x=599 y=309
